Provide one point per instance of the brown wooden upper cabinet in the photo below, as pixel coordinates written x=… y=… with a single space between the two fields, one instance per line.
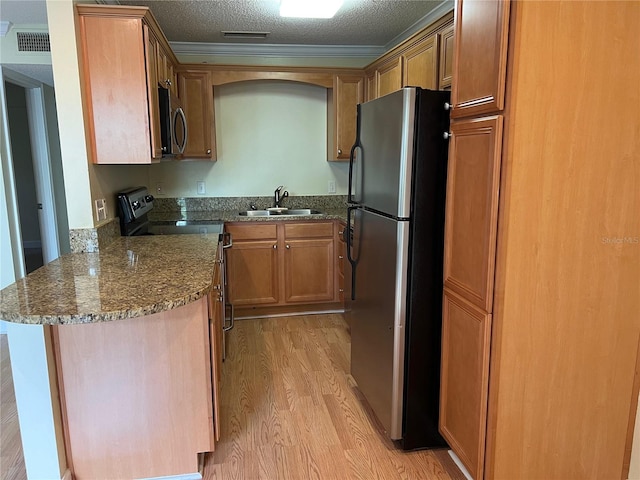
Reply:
x=196 y=95
x=119 y=74
x=371 y=87
x=348 y=92
x=445 y=69
x=166 y=71
x=389 y=77
x=480 y=57
x=420 y=64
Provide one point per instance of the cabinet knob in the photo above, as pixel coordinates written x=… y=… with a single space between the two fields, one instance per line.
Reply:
x=339 y=151
x=208 y=151
x=340 y=257
x=275 y=247
x=168 y=82
x=448 y=106
x=341 y=290
x=216 y=287
x=288 y=247
x=447 y=135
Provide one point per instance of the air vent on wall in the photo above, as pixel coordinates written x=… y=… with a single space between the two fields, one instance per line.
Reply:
x=33 y=42
x=245 y=34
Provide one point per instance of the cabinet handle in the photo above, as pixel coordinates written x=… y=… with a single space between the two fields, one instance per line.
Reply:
x=447 y=135
x=209 y=151
x=216 y=287
x=340 y=232
x=288 y=247
x=340 y=257
x=339 y=151
x=341 y=290
x=275 y=246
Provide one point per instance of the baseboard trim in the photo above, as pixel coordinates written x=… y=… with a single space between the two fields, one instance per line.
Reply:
x=184 y=476
x=285 y=311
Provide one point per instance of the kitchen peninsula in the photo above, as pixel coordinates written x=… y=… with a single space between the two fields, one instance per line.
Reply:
x=133 y=352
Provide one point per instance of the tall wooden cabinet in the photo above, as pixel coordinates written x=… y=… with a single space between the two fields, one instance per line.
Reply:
x=541 y=317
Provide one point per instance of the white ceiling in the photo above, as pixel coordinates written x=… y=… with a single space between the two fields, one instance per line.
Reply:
x=24 y=11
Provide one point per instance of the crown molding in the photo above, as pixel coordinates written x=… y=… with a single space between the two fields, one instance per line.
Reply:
x=275 y=50
x=445 y=7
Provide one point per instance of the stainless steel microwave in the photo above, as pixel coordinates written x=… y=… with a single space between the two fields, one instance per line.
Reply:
x=173 y=123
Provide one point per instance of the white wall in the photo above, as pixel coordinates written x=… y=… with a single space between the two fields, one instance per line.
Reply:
x=70 y=114
x=268 y=133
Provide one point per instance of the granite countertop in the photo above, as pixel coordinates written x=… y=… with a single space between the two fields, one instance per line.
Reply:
x=132 y=277
x=232 y=216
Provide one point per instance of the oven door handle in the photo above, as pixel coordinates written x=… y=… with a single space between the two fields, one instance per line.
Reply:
x=225 y=327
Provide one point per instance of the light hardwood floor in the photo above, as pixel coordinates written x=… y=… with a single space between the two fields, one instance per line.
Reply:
x=11 y=457
x=290 y=410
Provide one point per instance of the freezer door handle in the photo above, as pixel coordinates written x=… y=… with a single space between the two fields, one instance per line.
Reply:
x=352 y=261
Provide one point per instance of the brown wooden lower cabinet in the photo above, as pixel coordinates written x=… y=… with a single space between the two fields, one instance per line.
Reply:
x=282 y=264
x=466 y=335
x=136 y=394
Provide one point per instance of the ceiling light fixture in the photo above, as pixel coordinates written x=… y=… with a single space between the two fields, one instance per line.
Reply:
x=309 y=8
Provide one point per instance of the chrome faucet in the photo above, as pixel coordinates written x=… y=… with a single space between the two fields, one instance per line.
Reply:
x=279 y=195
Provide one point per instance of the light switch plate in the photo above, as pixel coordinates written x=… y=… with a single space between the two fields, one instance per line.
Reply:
x=200 y=188
x=159 y=188
x=332 y=186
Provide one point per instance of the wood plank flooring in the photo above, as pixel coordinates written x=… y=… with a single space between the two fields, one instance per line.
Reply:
x=11 y=457
x=290 y=410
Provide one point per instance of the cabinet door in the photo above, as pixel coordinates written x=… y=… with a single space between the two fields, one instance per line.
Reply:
x=480 y=57
x=196 y=94
x=216 y=315
x=348 y=92
x=464 y=380
x=151 y=46
x=116 y=90
x=371 y=87
x=389 y=77
x=253 y=272
x=309 y=270
x=421 y=64
x=473 y=181
x=445 y=70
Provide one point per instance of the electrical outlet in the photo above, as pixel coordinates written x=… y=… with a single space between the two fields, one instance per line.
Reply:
x=159 y=188
x=101 y=209
x=200 y=188
x=332 y=186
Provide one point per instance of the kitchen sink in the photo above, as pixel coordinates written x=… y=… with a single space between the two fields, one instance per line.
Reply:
x=273 y=213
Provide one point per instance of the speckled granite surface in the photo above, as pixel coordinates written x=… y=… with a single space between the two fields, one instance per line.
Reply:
x=168 y=271
x=228 y=204
x=232 y=216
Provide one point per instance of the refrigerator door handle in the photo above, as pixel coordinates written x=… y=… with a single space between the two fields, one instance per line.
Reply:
x=352 y=156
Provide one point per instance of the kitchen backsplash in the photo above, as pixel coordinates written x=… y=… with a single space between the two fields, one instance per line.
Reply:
x=200 y=204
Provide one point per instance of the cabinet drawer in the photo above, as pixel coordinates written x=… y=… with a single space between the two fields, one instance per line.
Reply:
x=252 y=231
x=308 y=230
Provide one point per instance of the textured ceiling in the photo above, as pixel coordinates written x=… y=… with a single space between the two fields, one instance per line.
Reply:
x=358 y=22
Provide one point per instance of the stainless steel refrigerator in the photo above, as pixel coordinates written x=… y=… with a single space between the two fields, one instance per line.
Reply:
x=397 y=185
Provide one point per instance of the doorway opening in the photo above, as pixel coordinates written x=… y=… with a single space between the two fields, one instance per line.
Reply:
x=24 y=176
